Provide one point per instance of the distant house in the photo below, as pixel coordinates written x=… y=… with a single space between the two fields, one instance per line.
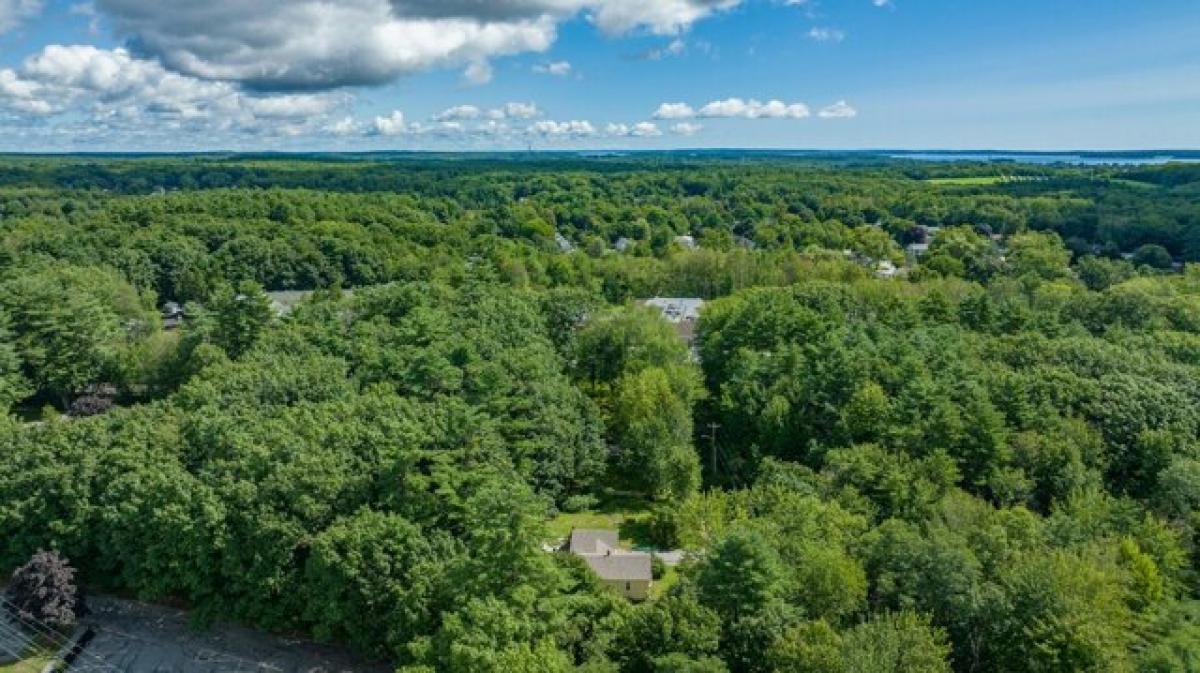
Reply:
x=682 y=312
x=622 y=244
x=917 y=249
x=172 y=316
x=886 y=269
x=687 y=242
x=626 y=571
x=563 y=244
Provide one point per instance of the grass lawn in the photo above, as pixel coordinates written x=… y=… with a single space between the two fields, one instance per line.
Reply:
x=662 y=585
x=623 y=512
x=33 y=664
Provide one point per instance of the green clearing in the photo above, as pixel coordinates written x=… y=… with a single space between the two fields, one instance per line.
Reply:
x=627 y=513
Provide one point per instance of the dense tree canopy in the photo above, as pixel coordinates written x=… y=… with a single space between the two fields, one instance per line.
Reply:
x=980 y=456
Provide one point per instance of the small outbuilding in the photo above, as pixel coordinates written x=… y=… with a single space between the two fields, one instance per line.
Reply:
x=628 y=572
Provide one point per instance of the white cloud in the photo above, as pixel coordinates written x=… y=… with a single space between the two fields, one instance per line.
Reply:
x=493 y=128
x=565 y=129
x=662 y=17
x=674 y=111
x=478 y=73
x=326 y=44
x=639 y=130
x=458 y=112
x=822 y=34
x=839 y=110
x=13 y=12
x=391 y=125
x=675 y=47
x=753 y=109
x=557 y=68
x=686 y=129
x=518 y=111
x=346 y=126
x=113 y=89
x=645 y=130
x=513 y=110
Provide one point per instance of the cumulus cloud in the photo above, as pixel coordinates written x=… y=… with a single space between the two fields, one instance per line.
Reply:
x=753 y=109
x=839 y=110
x=13 y=12
x=673 y=48
x=325 y=44
x=391 y=125
x=516 y=111
x=478 y=73
x=115 y=89
x=674 y=111
x=458 y=112
x=346 y=126
x=564 y=129
x=686 y=129
x=557 y=68
x=513 y=110
x=639 y=130
x=662 y=17
x=822 y=34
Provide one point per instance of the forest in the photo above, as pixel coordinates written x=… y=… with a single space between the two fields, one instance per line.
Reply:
x=935 y=417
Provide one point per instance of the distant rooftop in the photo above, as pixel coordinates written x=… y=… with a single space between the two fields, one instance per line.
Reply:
x=677 y=309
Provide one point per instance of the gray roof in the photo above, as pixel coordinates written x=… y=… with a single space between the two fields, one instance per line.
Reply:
x=677 y=309
x=598 y=548
x=589 y=540
x=620 y=567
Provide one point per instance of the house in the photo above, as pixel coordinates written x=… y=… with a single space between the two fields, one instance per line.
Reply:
x=917 y=249
x=563 y=244
x=687 y=242
x=626 y=571
x=622 y=244
x=886 y=269
x=172 y=316
x=681 y=312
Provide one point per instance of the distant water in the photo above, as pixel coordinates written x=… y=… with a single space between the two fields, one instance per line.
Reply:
x=1077 y=159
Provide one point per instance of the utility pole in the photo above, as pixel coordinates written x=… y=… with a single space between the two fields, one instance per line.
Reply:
x=712 y=439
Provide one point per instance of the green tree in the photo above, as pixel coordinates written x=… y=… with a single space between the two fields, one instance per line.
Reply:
x=741 y=576
x=1039 y=254
x=68 y=326
x=239 y=317
x=902 y=641
x=373 y=580
x=1152 y=255
x=652 y=424
x=810 y=647
x=13 y=386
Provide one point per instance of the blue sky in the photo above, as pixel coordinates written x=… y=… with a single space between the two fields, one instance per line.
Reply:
x=483 y=74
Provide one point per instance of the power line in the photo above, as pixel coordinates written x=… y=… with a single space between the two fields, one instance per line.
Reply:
x=94 y=663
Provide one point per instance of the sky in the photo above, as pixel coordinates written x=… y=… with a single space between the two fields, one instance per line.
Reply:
x=310 y=75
